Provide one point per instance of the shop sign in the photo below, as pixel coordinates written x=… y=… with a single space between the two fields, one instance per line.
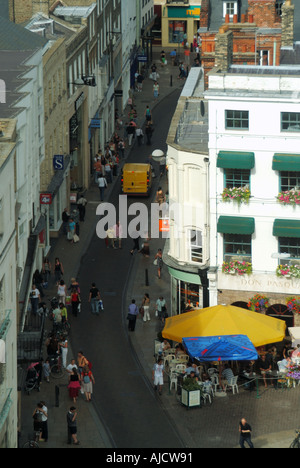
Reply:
x=164 y=225
x=46 y=198
x=79 y=101
x=142 y=58
x=58 y=162
x=183 y=12
x=95 y=123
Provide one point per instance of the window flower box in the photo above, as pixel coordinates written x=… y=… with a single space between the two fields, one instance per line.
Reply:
x=293 y=304
x=288 y=271
x=236 y=194
x=289 y=197
x=237 y=268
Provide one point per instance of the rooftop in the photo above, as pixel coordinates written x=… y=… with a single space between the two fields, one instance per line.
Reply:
x=192 y=118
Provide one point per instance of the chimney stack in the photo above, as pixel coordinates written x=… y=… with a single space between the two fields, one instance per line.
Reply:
x=224 y=49
x=287 y=24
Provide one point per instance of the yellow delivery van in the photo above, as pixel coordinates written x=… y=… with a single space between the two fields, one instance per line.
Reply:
x=136 y=179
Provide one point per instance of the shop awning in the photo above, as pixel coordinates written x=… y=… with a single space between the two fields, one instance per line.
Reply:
x=235 y=160
x=286 y=162
x=286 y=228
x=236 y=225
x=189 y=278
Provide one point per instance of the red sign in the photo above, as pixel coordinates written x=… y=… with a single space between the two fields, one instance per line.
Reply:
x=164 y=225
x=45 y=198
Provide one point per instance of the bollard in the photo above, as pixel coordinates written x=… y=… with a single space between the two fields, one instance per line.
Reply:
x=57 y=396
x=146 y=277
x=171 y=80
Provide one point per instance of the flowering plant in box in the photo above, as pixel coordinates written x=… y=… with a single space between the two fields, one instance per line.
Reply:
x=237 y=194
x=258 y=302
x=289 y=197
x=288 y=271
x=241 y=268
x=294 y=371
x=293 y=304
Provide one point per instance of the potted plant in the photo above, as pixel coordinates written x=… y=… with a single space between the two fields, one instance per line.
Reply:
x=236 y=194
x=258 y=303
x=237 y=267
x=191 y=393
x=289 y=197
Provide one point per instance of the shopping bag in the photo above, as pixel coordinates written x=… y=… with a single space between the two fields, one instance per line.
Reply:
x=68 y=300
x=100 y=305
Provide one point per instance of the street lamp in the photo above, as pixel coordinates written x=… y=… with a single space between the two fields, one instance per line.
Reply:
x=85 y=80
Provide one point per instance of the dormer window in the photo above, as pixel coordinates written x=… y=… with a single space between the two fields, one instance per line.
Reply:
x=230 y=8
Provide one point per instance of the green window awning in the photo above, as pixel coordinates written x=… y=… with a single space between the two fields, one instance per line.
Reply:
x=286 y=228
x=235 y=160
x=185 y=277
x=286 y=162
x=235 y=225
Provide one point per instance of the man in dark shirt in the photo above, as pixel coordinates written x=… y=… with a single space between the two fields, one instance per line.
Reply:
x=245 y=433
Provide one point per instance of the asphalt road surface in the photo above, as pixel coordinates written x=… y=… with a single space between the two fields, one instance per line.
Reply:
x=123 y=396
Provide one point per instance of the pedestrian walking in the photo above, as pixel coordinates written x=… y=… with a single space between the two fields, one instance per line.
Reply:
x=136 y=245
x=118 y=234
x=47 y=370
x=102 y=184
x=159 y=262
x=148 y=115
x=46 y=270
x=35 y=298
x=139 y=135
x=72 y=230
x=121 y=148
x=58 y=270
x=132 y=315
x=87 y=382
x=62 y=292
x=75 y=301
x=160 y=196
x=245 y=433
x=148 y=132
x=39 y=418
x=72 y=426
x=74 y=384
x=81 y=204
x=94 y=298
x=63 y=347
x=161 y=308
x=130 y=133
x=158 y=375
x=146 y=307
x=155 y=90
x=65 y=219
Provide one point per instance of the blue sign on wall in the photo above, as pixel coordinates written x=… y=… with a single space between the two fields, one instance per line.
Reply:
x=58 y=162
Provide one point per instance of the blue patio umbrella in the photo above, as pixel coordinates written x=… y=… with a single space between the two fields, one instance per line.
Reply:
x=220 y=348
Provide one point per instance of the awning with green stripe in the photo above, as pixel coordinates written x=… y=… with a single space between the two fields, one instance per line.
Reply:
x=185 y=277
x=235 y=160
x=235 y=225
x=286 y=228
x=286 y=162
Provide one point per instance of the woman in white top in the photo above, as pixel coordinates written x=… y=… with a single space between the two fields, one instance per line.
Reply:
x=62 y=292
x=63 y=345
x=146 y=306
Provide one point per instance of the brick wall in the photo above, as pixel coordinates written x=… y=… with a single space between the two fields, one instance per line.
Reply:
x=287 y=24
x=264 y=13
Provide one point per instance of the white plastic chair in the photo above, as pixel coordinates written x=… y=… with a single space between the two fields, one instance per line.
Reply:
x=215 y=381
x=168 y=358
x=173 y=381
x=232 y=383
x=182 y=357
x=181 y=367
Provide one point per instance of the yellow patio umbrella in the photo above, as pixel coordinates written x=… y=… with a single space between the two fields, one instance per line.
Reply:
x=225 y=320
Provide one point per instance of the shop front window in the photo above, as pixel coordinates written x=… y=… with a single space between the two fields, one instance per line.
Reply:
x=177 y=31
x=189 y=296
